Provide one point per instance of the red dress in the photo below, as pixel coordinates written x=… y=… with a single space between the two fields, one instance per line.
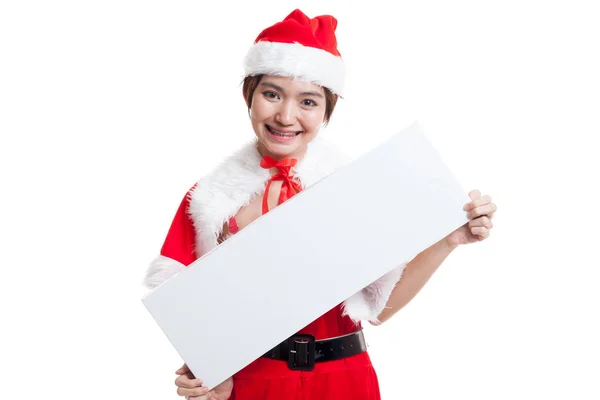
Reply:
x=346 y=379
x=350 y=378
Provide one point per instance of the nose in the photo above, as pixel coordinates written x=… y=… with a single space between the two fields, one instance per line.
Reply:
x=287 y=112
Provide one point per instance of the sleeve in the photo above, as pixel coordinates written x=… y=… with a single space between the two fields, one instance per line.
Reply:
x=369 y=302
x=178 y=250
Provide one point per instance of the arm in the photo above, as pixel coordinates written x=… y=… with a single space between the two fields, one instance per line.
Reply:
x=416 y=274
x=177 y=251
x=418 y=271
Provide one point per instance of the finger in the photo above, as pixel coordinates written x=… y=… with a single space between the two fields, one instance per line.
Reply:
x=191 y=376
x=199 y=391
x=482 y=221
x=184 y=368
x=476 y=203
x=204 y=397
x=482 y=210
x=474 y=194
x=184 y=382
x=481 y=231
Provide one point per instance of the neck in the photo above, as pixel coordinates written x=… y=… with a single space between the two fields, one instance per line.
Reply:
x=298 y=155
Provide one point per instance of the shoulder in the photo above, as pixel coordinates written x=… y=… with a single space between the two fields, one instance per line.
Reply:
x=235 y=176
x=231 y=184
x=322 y=158
x=238 y=168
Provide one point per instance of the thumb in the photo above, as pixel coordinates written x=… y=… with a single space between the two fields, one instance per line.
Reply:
x=207 y=396
x=475 y=194
x=183 y=370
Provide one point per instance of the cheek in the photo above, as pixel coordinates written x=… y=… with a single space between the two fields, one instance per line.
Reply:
x=314 y=119
x=261 y=109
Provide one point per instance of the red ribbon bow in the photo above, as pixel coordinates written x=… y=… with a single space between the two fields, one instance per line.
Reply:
x=289 y=187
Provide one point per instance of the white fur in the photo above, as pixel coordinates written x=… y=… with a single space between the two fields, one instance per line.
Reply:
x=368 y=303
x=233 y=184
x=239 y=179
x=298 y=61
x=320 y=160
x=161 y=269
x=219 y=195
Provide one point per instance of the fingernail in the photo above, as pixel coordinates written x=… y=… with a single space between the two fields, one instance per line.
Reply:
x=466 y=207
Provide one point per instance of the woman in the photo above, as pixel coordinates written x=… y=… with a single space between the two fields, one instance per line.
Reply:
x=294 y=75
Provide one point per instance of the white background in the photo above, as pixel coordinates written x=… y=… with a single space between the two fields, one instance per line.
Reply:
x=109 y=111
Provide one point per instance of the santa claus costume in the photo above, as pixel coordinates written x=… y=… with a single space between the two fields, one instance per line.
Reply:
x=331 y=362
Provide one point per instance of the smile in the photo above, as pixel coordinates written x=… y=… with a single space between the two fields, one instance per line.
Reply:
x=282 y=134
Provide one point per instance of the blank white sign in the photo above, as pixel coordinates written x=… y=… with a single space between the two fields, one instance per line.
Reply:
x=307 y=255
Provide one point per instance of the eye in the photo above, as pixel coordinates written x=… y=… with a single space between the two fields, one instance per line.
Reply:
x=309 y=103
x=271 y=95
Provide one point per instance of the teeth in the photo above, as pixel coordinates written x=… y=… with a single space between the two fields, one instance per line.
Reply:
x=281 y=133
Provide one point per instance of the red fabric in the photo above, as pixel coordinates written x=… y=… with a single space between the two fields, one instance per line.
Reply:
x=180 y=241
x=233 y=226
x=289 y=187
x=351 y=378
x=318 y=32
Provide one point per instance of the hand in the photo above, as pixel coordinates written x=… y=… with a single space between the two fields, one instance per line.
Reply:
x=480 y=211
x=192 y=389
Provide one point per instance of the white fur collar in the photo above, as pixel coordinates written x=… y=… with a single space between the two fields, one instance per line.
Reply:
x=235 y=182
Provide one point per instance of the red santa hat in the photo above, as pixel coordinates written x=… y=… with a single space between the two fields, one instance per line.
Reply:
x=299 y=47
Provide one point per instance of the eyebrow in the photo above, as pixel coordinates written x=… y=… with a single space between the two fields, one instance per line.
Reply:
x=279 y=88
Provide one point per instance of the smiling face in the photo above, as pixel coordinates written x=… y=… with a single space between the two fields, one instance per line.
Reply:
x=286 y=115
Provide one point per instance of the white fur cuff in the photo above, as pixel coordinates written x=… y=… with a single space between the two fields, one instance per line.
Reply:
x=368 y=303
x=161 y=269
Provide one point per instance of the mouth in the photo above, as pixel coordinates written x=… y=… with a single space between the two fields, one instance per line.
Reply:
x=282 y=134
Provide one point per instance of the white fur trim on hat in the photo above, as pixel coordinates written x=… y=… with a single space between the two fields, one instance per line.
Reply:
x=298 y=61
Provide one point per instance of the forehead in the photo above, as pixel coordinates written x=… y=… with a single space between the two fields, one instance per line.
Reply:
x=292 y=84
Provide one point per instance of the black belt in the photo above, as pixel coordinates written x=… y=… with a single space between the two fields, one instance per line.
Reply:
x=303 y=351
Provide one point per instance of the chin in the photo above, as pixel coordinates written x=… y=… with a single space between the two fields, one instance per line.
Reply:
x=282 y=150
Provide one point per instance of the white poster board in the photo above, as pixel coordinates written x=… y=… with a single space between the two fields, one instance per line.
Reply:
x=307 y=255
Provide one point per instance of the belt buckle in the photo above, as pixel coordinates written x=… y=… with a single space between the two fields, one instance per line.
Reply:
x=301 y=352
